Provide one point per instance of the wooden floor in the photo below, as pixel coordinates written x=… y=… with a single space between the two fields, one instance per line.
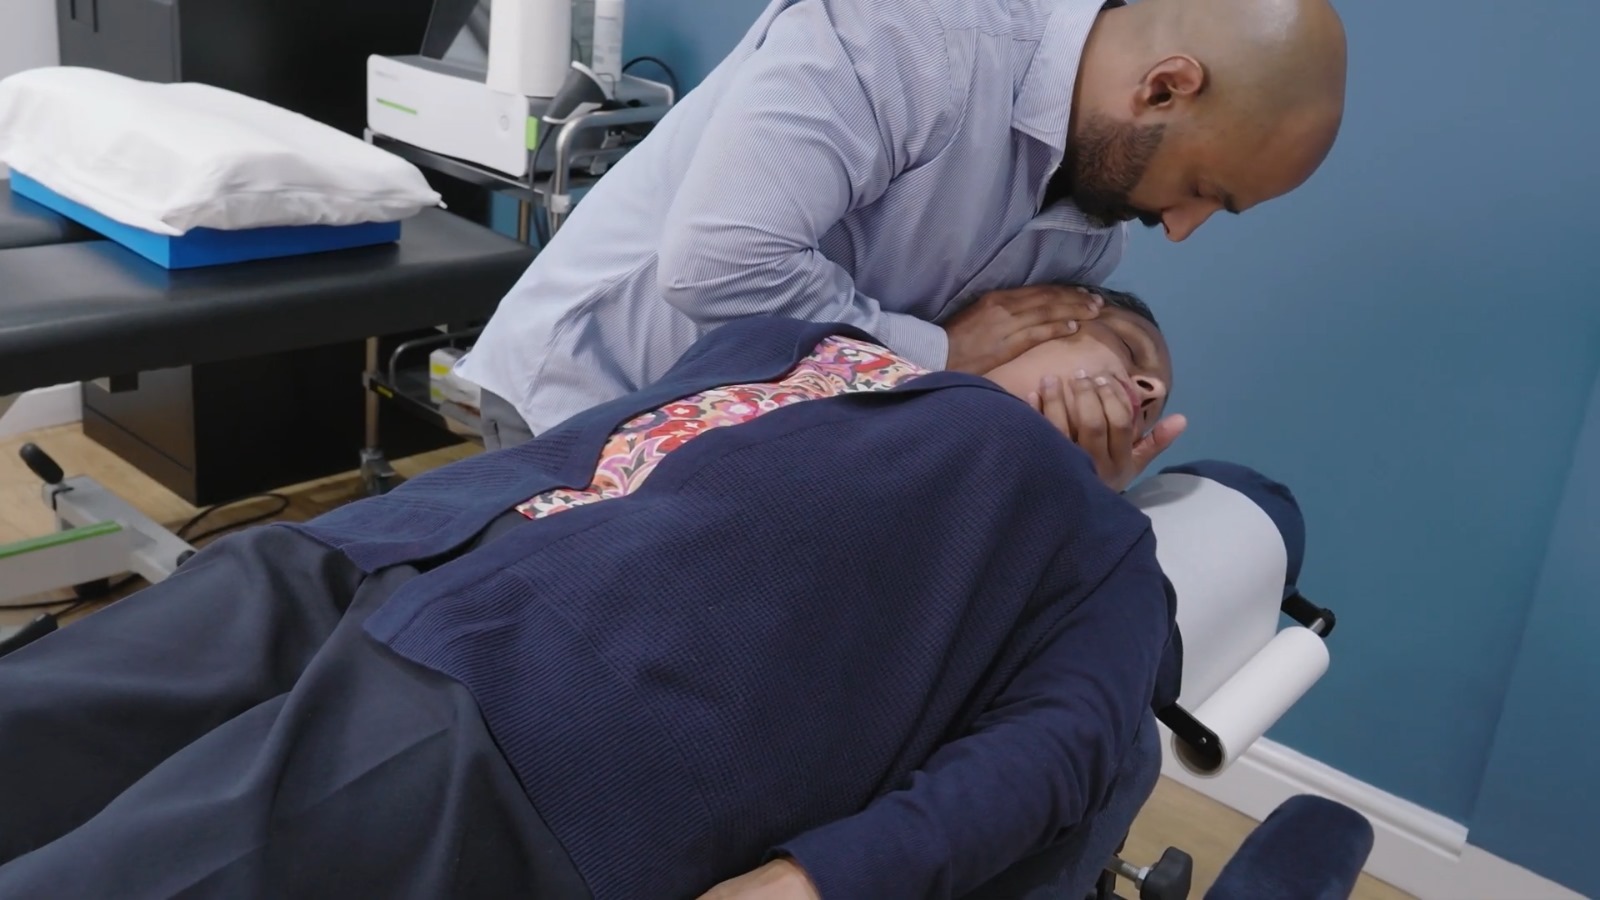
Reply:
x=1175 y=817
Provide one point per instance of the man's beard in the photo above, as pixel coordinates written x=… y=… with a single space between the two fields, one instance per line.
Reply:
x=1106 y=160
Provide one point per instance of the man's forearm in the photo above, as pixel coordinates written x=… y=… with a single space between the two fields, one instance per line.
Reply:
x=799 y=140
x=798 y=285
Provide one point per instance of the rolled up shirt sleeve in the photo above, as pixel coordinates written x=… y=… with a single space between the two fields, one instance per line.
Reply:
x=818 y=120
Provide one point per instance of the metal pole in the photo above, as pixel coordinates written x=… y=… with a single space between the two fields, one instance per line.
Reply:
x=372 y=398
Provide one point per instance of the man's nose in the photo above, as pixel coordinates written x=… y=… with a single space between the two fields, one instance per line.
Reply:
x=1182 y=221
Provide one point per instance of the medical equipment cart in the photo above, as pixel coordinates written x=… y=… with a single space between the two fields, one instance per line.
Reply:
x=579 y=153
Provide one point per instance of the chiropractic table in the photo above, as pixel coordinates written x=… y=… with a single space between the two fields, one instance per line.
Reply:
x=77 y=308
x=24 y=223
x=1231 y=542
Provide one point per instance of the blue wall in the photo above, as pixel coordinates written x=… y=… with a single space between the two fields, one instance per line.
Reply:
x=692 y=36
x=1410 y=341
x=1537 y=804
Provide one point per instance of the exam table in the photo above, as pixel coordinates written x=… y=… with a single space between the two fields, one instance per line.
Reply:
x=1232 y=543
x=76 y=308
x=87 y=309
x=24 y=223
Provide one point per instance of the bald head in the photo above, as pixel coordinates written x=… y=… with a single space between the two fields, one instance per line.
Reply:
x=1204 y=106
x=1261 y=57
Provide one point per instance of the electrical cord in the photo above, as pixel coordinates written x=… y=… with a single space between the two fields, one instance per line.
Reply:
x=72 y=605
x=672 y=77
x=182 y=532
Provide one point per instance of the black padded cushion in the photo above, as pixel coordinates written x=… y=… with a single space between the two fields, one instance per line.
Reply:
x=73 y=312
x=24 y=223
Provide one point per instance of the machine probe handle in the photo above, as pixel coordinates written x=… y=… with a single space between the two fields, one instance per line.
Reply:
x=41 y=464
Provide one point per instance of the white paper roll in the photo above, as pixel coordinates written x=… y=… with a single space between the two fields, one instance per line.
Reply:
x=1226 y=561
x=1246 y=705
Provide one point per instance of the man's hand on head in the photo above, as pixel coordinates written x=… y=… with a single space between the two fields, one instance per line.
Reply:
x=1095 y=414
x=781 y=879
x=1002 y=325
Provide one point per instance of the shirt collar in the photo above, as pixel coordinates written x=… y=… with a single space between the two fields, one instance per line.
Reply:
x=1043 y=106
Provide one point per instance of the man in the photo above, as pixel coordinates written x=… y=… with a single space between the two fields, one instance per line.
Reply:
x=884 y=163
x=802 y=610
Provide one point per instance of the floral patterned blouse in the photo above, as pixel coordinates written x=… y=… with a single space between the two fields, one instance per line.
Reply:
x=839 y=365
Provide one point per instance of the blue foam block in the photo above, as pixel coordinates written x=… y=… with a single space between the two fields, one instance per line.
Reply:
x=209 y=246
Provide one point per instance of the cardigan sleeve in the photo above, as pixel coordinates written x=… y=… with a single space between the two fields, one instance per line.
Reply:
x=1037 y=762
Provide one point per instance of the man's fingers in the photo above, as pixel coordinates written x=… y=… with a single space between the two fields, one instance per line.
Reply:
x=1047 y=314
x=1119 y=431
x=1049 y=320
x=1025 y=340
x=1089 y=420
x=1119 y=419
x=1088 y=416
x=1002 y=325
x=1053 y=403
x=1168 y=430
x=1048 y=301
x=1092 y=299
x=1049 y=307
x=1164 y=435
x=1052 y=293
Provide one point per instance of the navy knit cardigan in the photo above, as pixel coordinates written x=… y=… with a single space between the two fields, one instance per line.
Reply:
x=904 y=637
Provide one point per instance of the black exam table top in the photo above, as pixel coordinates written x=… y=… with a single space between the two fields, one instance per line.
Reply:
x=93 y=309
x=24 y=223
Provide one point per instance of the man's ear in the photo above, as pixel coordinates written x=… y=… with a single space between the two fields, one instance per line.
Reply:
x=1170 y=83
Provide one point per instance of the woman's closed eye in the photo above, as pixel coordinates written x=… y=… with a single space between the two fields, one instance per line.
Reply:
x=1132 y=353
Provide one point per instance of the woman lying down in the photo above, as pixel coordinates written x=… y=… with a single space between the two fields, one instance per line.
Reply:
x=817 y=624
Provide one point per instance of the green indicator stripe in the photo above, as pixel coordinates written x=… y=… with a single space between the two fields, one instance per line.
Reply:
x=58 y=538
x=393 y=105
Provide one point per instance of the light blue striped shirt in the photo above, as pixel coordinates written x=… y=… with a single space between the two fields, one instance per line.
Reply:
x=874 y=162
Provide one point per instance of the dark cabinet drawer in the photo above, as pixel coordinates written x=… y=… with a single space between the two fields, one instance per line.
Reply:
x=136 y=38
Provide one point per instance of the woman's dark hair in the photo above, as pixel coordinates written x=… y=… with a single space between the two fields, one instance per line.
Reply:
x=1124 y=300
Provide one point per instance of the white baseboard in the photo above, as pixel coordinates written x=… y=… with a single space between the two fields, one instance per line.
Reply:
x=1417 y=851
x=42 y=408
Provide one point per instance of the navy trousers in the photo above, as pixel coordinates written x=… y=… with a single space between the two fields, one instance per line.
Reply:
x=232 y=733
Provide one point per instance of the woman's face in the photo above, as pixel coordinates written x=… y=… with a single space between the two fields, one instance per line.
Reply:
x=1118 y=344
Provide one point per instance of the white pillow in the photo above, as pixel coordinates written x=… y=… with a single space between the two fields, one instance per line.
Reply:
x=170 y=157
